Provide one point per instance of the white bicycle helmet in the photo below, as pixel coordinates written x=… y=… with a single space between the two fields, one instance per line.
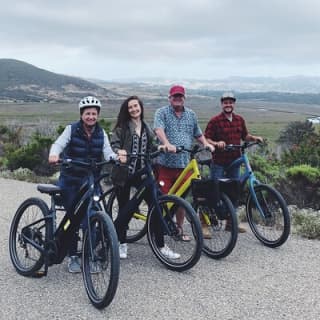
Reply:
x=89 y=101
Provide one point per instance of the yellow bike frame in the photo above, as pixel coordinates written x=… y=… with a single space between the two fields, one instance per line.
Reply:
x=191 y=171
x=183 y=183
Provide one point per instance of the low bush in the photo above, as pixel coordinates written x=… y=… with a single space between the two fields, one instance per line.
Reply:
x=306 y=222
x=23 y=174
x=301 y=186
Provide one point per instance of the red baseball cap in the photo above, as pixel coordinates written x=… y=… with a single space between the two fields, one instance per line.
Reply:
x=177 y=90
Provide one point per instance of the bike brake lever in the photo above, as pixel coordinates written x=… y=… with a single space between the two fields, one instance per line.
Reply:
x=229 y=147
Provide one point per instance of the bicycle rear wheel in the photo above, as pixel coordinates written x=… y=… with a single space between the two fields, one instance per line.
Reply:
x=177 y=254
x=272 y=227
x=222 y=226
x=100 y=260
x=29 y=225
x=137 y=227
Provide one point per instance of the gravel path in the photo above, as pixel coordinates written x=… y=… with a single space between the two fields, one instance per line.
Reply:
x=253 y=282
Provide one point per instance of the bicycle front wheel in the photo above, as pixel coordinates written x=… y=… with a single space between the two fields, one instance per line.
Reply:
x=29 y=225
x=222 y=228
x=174 y=233
x=272 y=225
x=100 y=260
x=137 y=227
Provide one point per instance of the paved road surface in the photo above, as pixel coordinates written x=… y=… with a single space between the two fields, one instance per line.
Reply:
x=254 y=282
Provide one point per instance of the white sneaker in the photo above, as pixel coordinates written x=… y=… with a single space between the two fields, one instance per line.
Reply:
x=123 y=250
x=167 y=252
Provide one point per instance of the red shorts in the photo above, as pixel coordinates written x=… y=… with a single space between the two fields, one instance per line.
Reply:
x=167 y=177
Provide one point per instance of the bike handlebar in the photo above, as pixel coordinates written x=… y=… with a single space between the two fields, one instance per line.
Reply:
x=196 y=149
x=154 y=154
x=86 y=165
x=243 y=146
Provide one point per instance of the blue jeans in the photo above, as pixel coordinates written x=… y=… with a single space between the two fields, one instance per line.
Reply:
x=219 y=172
x=70 y=189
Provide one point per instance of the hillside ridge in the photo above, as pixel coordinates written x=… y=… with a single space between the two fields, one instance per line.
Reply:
x=21 y=81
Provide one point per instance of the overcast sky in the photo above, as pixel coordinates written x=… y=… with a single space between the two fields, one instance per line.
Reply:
x=173 y=39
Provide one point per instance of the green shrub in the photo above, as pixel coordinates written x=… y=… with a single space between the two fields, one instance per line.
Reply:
x=267 y=170
x=301 y=186
x=33 y=156
x=305 y=172
x=307 y=152
x=306 y=222
x=295 y=133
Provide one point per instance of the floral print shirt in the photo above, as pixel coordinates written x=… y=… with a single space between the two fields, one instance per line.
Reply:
x=180 y=131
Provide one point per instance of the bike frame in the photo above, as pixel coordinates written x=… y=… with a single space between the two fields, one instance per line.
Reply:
x=83 y=203
x=183 y=183
x=148 y=182
x=247 y=176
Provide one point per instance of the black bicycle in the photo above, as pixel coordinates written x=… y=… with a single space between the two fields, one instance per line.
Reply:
x=35 y=243
x=206 y=197
x=161 y=214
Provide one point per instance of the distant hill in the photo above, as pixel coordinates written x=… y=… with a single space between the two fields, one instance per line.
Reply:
x=159 y=88
x=20 y=81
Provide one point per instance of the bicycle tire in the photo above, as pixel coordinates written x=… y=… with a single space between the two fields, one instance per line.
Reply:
x=223 y=228
x=137 y=227
x=189 y=251
x=29 y=221
x=100 y=272
x=105 y=195
x=273 y=230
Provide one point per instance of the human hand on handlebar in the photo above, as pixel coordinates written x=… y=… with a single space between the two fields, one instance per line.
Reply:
x=209 y=147
x=53 y=159
x=162 y=148
x=259 y=139
x=220 y=144
x=122 y=155
x=170 y=147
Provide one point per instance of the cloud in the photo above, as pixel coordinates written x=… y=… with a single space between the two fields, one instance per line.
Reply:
x=194 y=38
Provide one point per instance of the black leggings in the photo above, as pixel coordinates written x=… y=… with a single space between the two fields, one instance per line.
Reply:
x=124 y=215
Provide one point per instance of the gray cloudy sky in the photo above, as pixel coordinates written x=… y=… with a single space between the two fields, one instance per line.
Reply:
x=175 y=39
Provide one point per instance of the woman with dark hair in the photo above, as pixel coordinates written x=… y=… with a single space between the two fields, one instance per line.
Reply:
x=131 y=134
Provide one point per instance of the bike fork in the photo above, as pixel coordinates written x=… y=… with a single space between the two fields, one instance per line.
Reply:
x=256 y=201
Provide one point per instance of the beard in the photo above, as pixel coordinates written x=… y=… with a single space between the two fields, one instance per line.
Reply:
x=228 y=111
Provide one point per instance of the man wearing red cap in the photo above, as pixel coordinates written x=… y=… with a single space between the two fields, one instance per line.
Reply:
x=176 y=125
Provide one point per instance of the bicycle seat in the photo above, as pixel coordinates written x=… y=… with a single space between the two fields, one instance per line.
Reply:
x=49 y=189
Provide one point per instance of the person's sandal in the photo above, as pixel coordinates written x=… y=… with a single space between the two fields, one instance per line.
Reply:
x=183 y=237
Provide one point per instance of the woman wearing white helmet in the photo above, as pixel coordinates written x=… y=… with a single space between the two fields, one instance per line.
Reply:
x=89 y=101
x=81 y=140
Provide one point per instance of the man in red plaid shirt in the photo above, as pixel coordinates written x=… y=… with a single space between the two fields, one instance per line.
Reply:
x=227 y=128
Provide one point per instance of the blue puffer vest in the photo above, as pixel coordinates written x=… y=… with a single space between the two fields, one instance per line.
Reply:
x=82 y=149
